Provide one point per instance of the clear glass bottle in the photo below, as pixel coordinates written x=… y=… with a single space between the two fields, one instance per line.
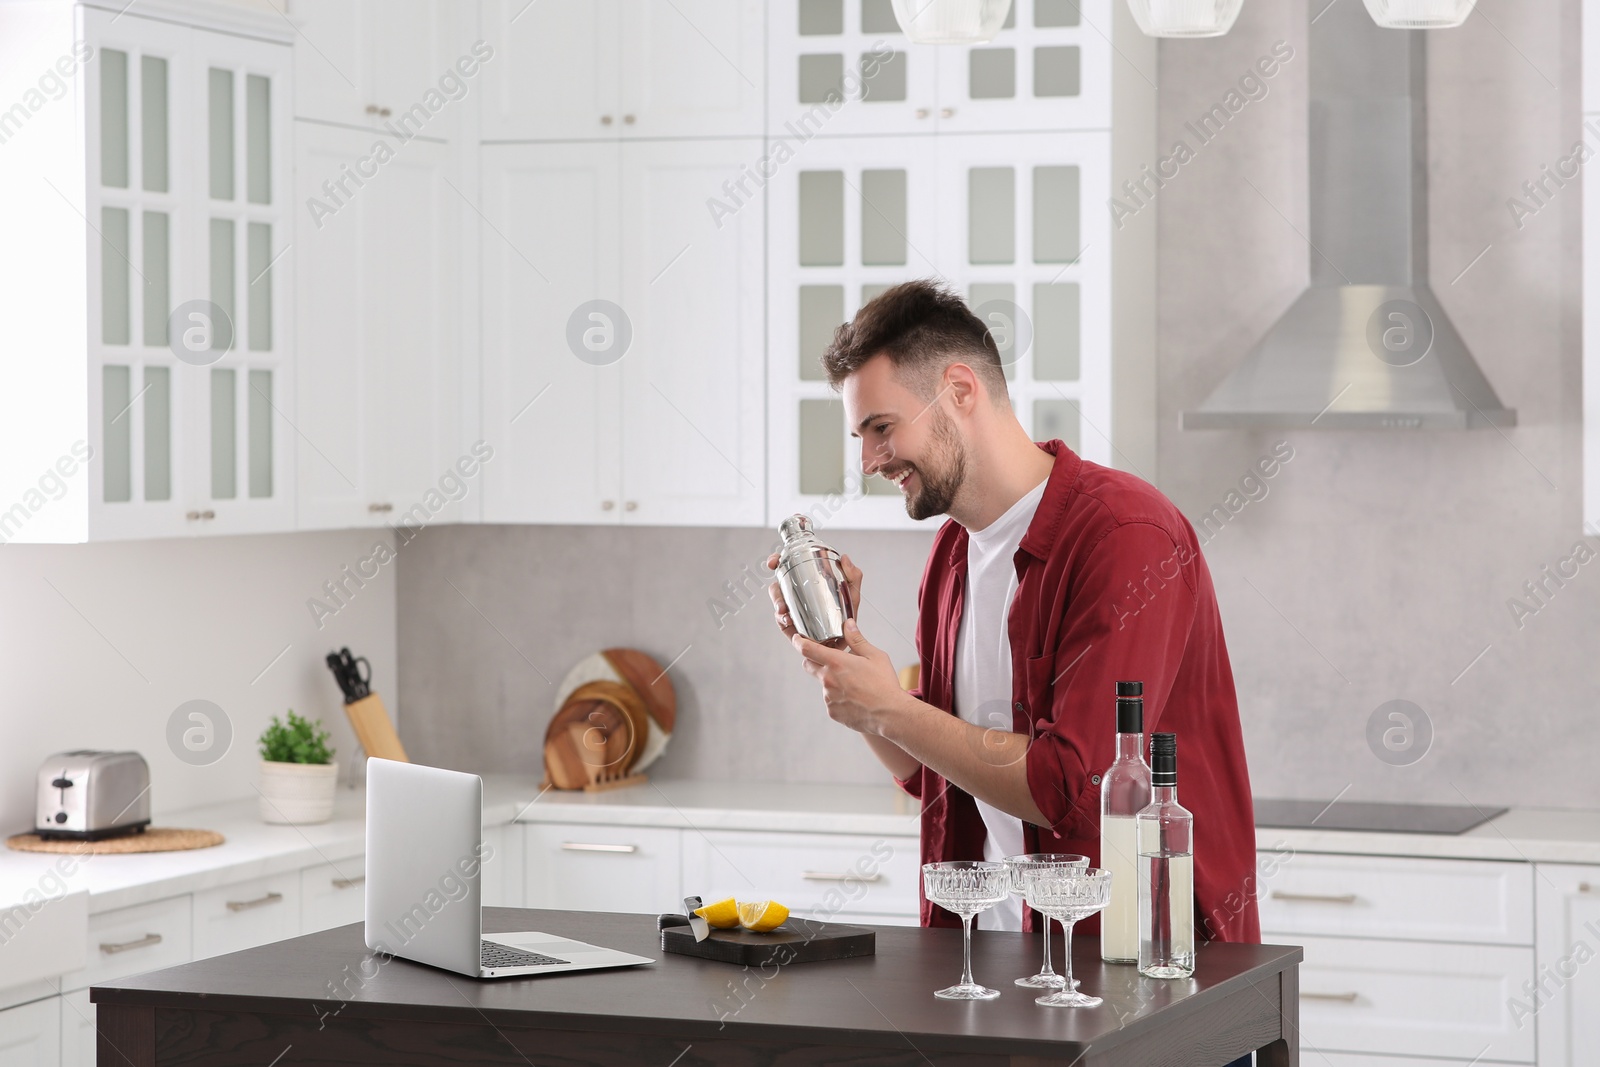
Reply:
x=1124 y=792
x=1166 y=870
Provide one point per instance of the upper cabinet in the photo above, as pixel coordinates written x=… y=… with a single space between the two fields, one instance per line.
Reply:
x=381 y=64
x=378 y=340
x=843 y=67
x=162 y=390
x=605 y=69
x=622 y=335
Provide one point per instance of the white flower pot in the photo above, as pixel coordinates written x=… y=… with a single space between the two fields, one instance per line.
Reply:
x=297 y=793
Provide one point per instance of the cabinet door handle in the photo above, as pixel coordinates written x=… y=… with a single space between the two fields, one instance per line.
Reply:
x=1344 y=998
x=627 y=120
x=144 y=942
x=1585 y=887
x=632 y=505
x=579 y=846
x=835 y=876
x=246 y=905
x=1314 y=898
x=196 y=516
x=348 y=883
x=922 y=112
x=381 y=112
x=380 y=507
x=947 y=112
x=605 y=120
x=607 y=505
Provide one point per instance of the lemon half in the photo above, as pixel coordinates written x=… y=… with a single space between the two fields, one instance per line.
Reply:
x=762 y=916
x=723 y=914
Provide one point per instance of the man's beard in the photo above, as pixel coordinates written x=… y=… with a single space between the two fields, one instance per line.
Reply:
x=945 y=470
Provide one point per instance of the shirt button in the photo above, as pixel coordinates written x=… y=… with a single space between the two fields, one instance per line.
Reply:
x=1018 y=705
x=1095 y=778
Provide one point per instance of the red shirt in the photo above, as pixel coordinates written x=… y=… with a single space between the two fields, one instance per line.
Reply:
x=1111 y=587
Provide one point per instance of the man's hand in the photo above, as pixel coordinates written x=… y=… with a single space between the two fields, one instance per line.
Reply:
x=859 y=686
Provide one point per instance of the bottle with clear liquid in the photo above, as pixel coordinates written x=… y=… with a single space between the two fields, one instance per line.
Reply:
x=1166 y=870
x=1124 y=792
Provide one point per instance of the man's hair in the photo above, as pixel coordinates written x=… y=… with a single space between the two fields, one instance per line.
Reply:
x=922 y=328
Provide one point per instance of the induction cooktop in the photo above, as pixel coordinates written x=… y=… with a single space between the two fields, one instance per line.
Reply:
x=1364 y=815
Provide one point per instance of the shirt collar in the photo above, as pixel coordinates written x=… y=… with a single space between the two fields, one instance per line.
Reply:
x=1047 y=518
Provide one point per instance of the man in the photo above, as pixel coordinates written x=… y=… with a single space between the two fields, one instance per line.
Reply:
x=1054 y=579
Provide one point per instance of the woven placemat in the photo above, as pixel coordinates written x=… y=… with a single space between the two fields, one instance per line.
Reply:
x=154 y=839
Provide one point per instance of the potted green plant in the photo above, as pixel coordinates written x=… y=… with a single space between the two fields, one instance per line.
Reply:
x=298 y=775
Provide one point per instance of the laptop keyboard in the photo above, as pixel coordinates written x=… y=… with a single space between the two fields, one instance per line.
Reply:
x=494 y=956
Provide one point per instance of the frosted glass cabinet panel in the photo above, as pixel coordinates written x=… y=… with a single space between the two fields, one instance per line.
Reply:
x=843 y=67
x=187 y=136
x=848 y=218
x=1048 y=69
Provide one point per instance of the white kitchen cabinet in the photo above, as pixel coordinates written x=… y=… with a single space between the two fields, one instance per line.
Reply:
x=170 y=187
x=378 y=334
x=143 y=937
x=1591 y=294
x=622 y=332
x=1048 y=69
x=552 y=417
x=1565 y=1004
x=1414 y=998
x=372 y=63
x=333 y=894
x=502 y=872
x=1010 y=222
x=692 y=382
x=843 y=67
x=833 y=877
x=1465 y=901
x=602 y=868
x=606 y=69
x=30 y=1035
x=78 y=1041
x=239 y=916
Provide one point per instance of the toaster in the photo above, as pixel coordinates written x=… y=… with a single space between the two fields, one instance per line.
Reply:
x=87 y=795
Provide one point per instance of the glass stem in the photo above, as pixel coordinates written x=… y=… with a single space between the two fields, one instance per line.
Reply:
x=1047 y=969
x=1066 y=962
x=966 y=950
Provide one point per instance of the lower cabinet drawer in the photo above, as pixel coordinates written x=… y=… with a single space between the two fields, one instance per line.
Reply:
x=1415 y=998
x=602 y=868
x=813 y=874
x=333 y=894
x=127 y=941
x=246 y=914
x=30 y=1035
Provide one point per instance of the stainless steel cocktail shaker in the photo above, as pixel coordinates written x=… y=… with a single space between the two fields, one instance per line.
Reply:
x=813 y=583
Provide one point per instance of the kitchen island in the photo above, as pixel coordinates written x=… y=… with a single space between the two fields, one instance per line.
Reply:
x=323 y=999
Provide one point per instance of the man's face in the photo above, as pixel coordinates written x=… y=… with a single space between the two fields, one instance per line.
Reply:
x=906 y=438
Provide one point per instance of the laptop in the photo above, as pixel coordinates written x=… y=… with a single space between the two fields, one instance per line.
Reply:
x=424 y=864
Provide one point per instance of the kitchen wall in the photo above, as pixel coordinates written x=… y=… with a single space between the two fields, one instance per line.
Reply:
x=1377 y=567
x=100 y=645
x=1380 y=565
x=492 y=617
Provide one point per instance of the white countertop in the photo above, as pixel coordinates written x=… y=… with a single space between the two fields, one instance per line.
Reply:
x=254 y=849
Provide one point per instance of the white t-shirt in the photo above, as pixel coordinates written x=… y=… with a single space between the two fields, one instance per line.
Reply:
x=983 y=668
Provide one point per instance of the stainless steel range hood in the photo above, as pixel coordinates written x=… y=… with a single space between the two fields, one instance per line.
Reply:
x=1367 y=346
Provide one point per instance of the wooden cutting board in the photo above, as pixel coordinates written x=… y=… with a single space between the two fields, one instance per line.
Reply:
x=796 y=941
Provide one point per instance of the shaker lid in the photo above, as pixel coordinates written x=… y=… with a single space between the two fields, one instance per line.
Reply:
x=794 y=526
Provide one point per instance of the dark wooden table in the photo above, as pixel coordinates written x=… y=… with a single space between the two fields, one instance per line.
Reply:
x=322 y=999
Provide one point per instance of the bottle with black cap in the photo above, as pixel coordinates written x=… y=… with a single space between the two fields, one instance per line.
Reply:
x=1166 y=870
x=1124 y=792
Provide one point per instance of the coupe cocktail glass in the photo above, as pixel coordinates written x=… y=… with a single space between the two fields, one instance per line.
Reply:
x=966 y=887
x=1068 y=894
x=1022 y=868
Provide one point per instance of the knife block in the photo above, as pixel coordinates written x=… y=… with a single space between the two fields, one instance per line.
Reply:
x=374 y=730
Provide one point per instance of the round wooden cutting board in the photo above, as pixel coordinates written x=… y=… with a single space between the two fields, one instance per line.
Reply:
x=647 y=677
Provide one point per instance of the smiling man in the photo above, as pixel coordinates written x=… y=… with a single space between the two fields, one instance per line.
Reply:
x=1053 y=579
